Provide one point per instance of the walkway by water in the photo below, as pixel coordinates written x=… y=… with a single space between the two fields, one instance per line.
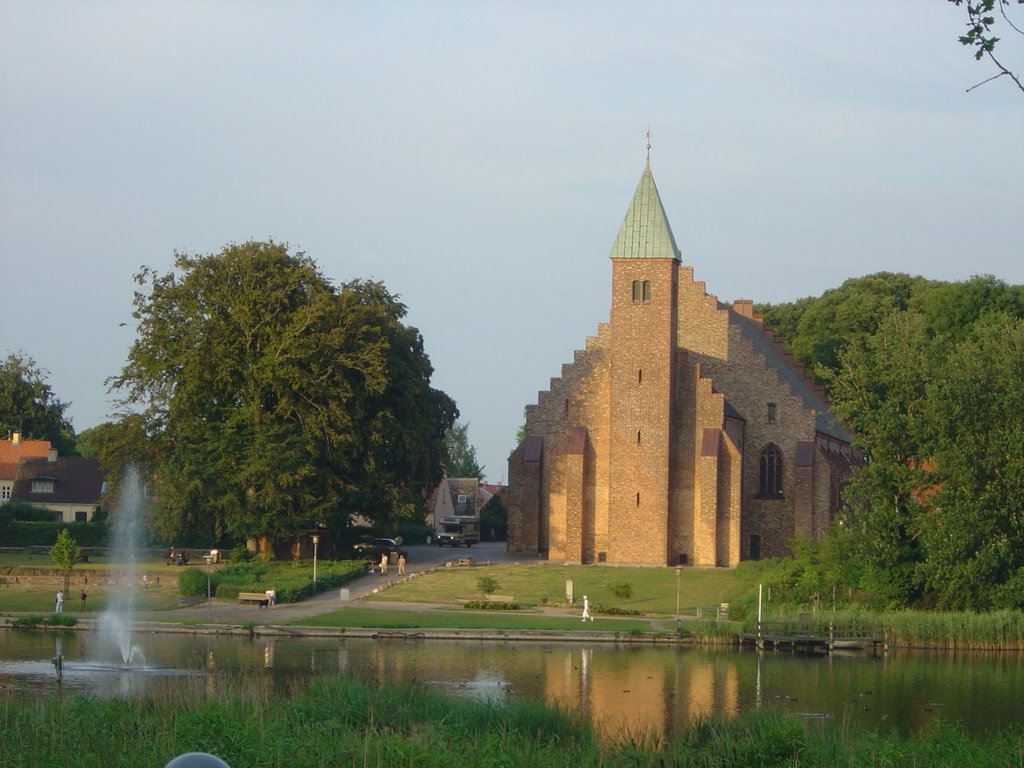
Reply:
x=422 y=559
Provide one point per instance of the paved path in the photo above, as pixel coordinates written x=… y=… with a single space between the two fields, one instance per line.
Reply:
x=422 y=558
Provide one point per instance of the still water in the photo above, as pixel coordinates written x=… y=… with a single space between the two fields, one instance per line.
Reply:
x=639 y=689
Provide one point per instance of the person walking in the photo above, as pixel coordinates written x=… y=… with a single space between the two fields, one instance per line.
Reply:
x=59 y=608
x=384 y=564
x=81 y=601
x=586 y=609
x=401 y=564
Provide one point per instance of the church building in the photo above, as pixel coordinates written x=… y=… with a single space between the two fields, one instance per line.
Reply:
x=683 y=433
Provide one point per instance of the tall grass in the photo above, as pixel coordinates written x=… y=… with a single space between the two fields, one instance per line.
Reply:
x=342 y=722
x=991 y=631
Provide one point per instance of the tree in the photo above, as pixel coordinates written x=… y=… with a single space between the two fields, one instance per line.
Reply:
x=266 y=400
x=64 y=553
x=460 y=455
x=974 y=536
x=982 y=28
x=28 y=405
x=817 y=330
x=879 y=392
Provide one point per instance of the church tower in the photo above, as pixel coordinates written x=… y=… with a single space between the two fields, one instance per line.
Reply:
x=645 y=267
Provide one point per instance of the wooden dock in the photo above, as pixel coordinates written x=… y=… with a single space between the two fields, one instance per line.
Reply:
x=802 y=638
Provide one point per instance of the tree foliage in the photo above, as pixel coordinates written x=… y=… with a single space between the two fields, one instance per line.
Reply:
x=932 y=390
x=64 y=554
x=266 y=400
x=459 y=453
x=29 y=406
x=983 y=25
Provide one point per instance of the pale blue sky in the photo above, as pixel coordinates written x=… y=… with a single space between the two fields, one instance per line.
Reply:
x=479 y=157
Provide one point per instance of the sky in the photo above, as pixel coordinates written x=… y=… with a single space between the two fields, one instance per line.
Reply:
x=479 y=157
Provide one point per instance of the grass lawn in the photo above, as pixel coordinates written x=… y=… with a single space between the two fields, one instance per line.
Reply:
x=40 y=600
x=653 y=589
x=462 y=619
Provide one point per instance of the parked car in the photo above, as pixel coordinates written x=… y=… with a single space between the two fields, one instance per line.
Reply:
x=372 y=550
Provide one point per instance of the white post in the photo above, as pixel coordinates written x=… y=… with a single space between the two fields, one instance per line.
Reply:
x=760 y=589
x=316 y=540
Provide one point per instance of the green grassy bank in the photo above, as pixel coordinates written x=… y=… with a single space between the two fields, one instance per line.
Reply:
x=341 y=722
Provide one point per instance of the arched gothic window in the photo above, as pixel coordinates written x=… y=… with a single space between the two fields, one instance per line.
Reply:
x=770 y=485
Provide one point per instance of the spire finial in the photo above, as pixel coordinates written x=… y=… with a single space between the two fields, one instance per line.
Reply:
x=648 y=142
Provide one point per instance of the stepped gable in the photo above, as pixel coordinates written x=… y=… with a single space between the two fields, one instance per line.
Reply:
x=581 y=357
x=776 y=356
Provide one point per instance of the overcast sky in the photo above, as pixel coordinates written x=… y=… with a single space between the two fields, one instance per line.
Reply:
x=479 y=157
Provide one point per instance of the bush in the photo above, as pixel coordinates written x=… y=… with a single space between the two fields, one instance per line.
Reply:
x=192 y=582
x=487 y=584
x=487 y=605
x=621 y=590
x=53 y=620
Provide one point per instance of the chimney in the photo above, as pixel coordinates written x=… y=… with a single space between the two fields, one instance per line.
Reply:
x=16 y=438
x=51 y=456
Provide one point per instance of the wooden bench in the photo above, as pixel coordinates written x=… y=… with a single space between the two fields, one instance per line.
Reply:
x=260 y=598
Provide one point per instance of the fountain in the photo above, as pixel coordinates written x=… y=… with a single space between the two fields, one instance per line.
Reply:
x=113 y=629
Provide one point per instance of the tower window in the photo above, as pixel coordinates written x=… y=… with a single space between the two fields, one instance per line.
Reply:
x=772 y=413
x=641 y=290
x=770 y=482
x=638 y=498
x=638 y=437
x=640 y=376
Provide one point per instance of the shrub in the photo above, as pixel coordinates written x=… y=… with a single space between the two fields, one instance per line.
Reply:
x=621 y=590
x=487 y=584
x=192 y=582
x=53 y=620
x=616 y=611
x=487 y=605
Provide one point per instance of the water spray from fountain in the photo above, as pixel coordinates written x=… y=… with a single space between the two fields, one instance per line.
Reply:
x=128 y=529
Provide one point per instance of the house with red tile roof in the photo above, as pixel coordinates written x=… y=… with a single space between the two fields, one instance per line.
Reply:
x=12 y=451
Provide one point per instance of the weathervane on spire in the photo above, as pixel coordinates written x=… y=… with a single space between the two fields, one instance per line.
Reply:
x=648 y=142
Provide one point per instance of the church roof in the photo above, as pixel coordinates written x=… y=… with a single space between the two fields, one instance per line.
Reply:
x=645 y=233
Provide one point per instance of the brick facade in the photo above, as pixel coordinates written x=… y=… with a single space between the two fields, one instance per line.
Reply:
x=682 y=433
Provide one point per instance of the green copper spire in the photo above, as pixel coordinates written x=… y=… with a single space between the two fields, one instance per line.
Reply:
x=645 y=233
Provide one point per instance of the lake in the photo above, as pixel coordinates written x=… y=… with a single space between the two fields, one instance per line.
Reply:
x=636 y=688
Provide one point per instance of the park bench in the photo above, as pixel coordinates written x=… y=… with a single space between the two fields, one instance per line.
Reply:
x=260 y=598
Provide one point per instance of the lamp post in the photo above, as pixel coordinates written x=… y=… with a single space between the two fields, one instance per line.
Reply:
x=316 y=540
x=209 y=582
x=679 y=572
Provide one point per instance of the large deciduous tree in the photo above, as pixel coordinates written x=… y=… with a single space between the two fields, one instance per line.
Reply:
x=460 y=455
x=28 y=405
x=272 y=401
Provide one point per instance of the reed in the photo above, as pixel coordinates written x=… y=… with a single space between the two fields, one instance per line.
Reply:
x=343 y=722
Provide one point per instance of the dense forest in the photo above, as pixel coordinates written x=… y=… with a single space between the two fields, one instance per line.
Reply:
x=930 y=376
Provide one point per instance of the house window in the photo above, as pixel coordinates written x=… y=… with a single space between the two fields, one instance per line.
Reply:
x=42 y=485
x=755 y=547
x=770 y=483
x=772 y=414
x=5 y=493
x=81 y=517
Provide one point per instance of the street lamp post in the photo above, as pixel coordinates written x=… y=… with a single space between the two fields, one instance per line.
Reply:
x=209 y=583
x=316 y=540
x=679 y=572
